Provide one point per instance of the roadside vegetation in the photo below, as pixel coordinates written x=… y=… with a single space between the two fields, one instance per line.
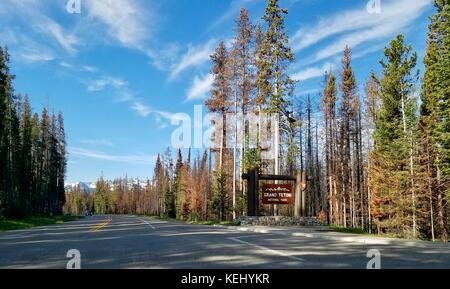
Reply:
x=349 y=230
x=193 y=222
x=31 y=222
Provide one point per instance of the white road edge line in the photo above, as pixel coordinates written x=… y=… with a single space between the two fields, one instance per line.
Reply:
x=267 y=249
x=148 y=223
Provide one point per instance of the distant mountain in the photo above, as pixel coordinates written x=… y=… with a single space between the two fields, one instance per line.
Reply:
x=89 y=187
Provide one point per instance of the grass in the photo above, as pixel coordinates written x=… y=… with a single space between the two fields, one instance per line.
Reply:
x=192 y=222
x=212 y=223
x=31 y=222
x=349 y=230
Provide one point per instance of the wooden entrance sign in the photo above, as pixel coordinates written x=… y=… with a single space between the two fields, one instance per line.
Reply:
x=277 y=194
x=284 y=193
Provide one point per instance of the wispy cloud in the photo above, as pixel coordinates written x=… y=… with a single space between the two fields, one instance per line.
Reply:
x=36 y=56
x=103 y=156
x=34 y=23
x=232 y=11
x=200 y=87
x=194 y=57
x=125 y=20
x=141 y=109
x=100 y=142
x=66 y=40
x=89 y=68
x=108 y=81
x=395 y=13
x=313 y=72
x=121 y=91
x=356 y=27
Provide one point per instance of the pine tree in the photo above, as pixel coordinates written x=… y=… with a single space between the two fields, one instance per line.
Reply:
x=26 y=160
x=168 y=194
x=6 y=110
x=275 y=56
x=434 y=120
x=372 y=107
x=35 y=164
x=329 y=109
x=100 y=196
x=219 y=197
x=178 y=196
x=219 y=102
x=242 y=82
x=62 y=163
x=394 y=196
x=159 y=184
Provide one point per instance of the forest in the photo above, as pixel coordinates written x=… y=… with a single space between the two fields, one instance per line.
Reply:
x=377 y=160
x=32 y=154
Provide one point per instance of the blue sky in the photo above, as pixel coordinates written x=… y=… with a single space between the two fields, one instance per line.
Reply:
x=120 y=68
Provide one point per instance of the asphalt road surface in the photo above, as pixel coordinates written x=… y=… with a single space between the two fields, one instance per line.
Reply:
x=134 y=242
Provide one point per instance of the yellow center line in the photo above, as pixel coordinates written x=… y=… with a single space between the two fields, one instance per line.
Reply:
x=101 y=225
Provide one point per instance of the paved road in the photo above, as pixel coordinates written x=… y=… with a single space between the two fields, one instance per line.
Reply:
x=133 y=242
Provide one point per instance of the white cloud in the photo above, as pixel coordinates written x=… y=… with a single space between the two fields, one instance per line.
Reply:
x=66 y=65
x=233 y=11
x=356 y=28
x=101 y=84
x=395 y=15
x=99 y=155
x=66 y=40
x=141 y=109
x=89 y=68
x=126 y=20
x=36 y=56
x=200 y=87
x=28 y=20
x=313 y=72
x=194 y=57
x=101 y=142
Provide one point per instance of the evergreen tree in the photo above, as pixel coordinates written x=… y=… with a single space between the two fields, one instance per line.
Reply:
x=26 y=159
x=372 y=106
x=329 y=109
x=435 y=115
x=219 y=197
x=35 y=164
x=394 y=196
x=100 y=196
x=62 y=163
x=275 y=57
x=350 y=151
x=6 y=109
x=160 y=185
x=219 y=102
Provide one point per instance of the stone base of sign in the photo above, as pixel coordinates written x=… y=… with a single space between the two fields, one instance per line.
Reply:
x=278 y=221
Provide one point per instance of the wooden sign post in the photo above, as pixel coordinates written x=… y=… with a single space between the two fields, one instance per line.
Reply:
x=274 y=194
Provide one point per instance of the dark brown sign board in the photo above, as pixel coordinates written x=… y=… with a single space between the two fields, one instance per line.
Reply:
x=277 y=194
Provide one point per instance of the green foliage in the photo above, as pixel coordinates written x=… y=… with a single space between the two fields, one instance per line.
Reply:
x=32 y=154
x=395 y=133
x=27 y=223
x=348 y=230
x=252 y=159
x=220 y=196
x=275 y=56
x=103 y=201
